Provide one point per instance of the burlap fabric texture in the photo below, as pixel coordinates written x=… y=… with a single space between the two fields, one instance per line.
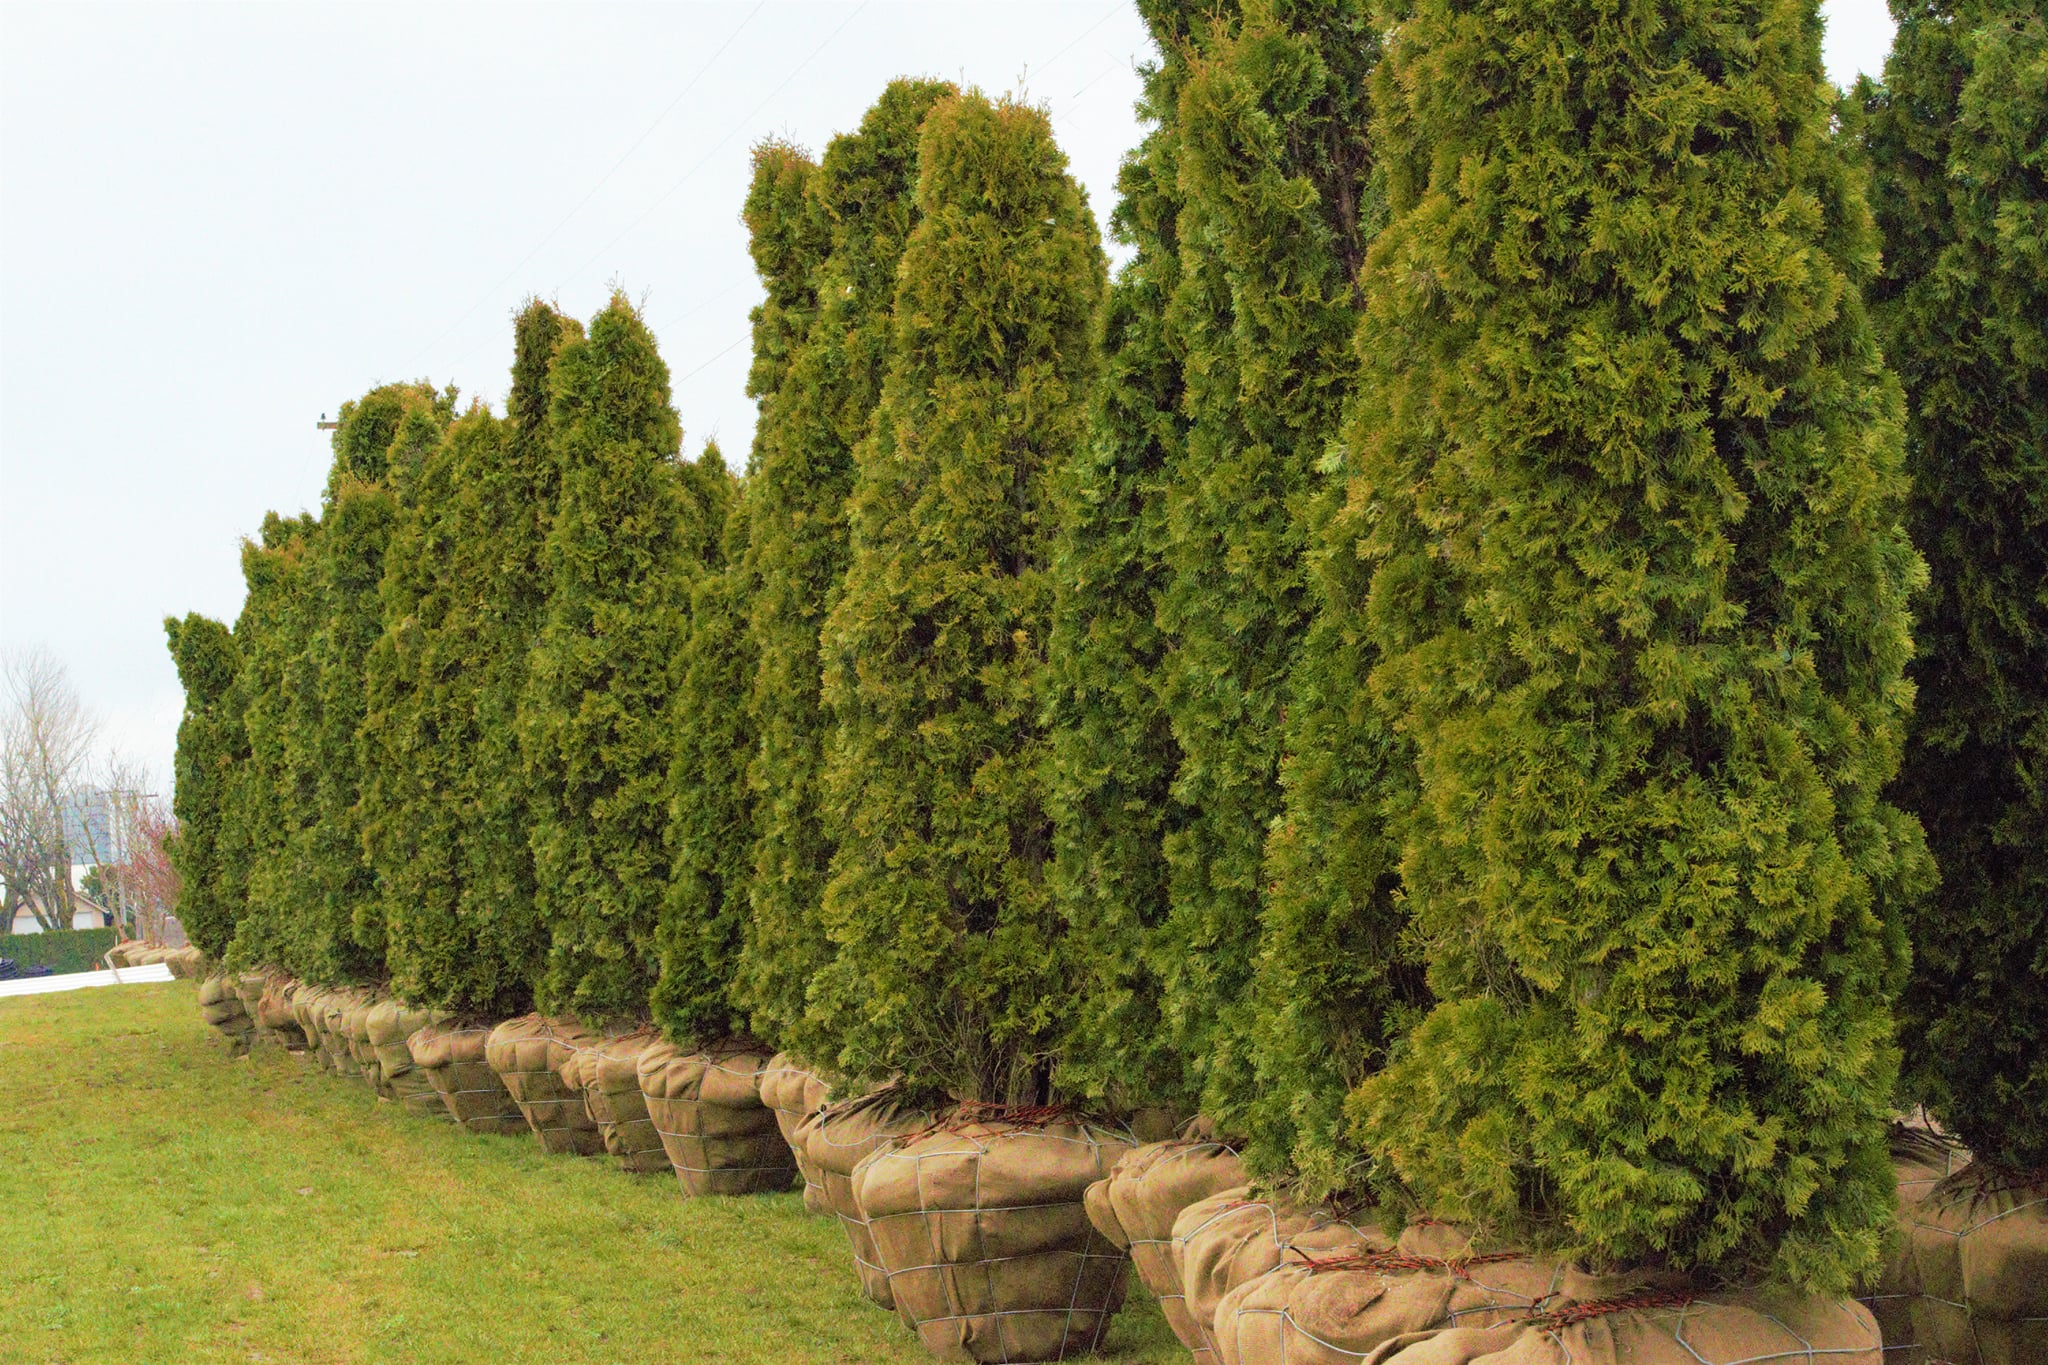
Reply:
x=1352 y=1295
x=453 y=1058
x=185 y=963
x=607 y=1072
x=307 y=1009
x=527 y=1053
x=1232 y=1237
x=979 y=1225
x=221 y=1007
x=837 y=1139
x=719 y=1135
x=341 y=1058
x=1135 y=1207
x=1967 y=1282
x=1650 y=1328
x=248 y=988
x=353 y=1024
x=277 y=1013
x=389 y=1024
x=794 y=1092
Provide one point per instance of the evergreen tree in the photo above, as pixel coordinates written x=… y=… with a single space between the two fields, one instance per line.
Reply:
x=949 y=967
x=1629 y=468
x=629 y=534
x=211 y=750
x=711 y=810
x=494 y=952
x=1267 y=142
x=828 y=257
x=1113 y=753
x=418 y=738
x=1958 y=140
x=338 y=934
x=270 y=801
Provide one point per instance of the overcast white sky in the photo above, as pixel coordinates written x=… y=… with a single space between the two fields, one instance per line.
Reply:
x=218 y=222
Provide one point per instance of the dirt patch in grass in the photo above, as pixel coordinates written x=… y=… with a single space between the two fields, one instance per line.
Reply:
x=161 y=1202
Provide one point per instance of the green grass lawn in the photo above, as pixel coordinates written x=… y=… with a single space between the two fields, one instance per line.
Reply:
x=160 y=1201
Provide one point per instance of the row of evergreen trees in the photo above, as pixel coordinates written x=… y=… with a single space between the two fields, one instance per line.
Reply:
x=1415 y=667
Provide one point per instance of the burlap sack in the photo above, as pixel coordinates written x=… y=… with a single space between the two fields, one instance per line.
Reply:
x=388 y=1024
x=837 y=1139
x=978 y=1224
x=1229 y=1238
x=707 y=1106
x=221 y=1007
x=186 y=963
x=352 y=1024
x=527 y=1053
x=1342 y=1304
x=118 y=955
x=793 y=1092
x=607 y=1072
x=1968 y=1281
x=1652 y=1329
x=455 y=1064
x=1135 y=1207
x=277 y=1013
x=248 y=987
x=341 y=1059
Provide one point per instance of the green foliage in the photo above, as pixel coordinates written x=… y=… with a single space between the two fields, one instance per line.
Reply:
x=949 y=965
x=338 y=929
x=710 y=836
x=830 y=256
x=211 y=749
x=1113 y=751
x=1958 y=140
x=1628 y=472
x=630 y=531
x=270 y=800
x=61 y=950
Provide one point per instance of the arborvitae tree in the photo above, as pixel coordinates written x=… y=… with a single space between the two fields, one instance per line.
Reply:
x=829 y=260
x=629 y=534
x=1630 y=480
x=418 y=739
x=1958 y=139
x=1113 y=752
x=949 y=968
x=211 y=751
x=1269 y=149
x=270 y=801
x=338 y=935
x=495 y=951
x=711 y=809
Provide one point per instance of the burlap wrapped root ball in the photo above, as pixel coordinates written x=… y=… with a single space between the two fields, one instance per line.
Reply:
x=1232 y=1237
x=1639 y=1326
x=527 y=1053
x=277 y=1013
x=248 y=988
x=389 y=1025
x=1967 y=1281
x=719 y=1135
x=794 y=1092
x=221 y=1007
x=837 y=1139
x=1135 y=1207
x=186 y=963
x=454 y=1060
x=334 y=1048
x=979 y=1225
x=608 y=1075
x=352 y=1023
x=1351 y=1294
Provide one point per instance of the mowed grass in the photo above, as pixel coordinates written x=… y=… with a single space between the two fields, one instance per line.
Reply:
x=160 y=1201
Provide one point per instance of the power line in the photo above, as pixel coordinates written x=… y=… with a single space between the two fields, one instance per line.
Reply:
x=715 y=148
x=646 y=133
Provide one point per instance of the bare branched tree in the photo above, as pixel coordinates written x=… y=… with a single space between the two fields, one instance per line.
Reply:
x=46 y=741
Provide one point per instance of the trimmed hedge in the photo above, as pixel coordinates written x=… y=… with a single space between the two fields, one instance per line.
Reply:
x=61 y=950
